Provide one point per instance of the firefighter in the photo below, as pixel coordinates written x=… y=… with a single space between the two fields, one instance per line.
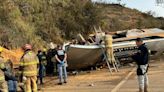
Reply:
x=3 y=84
x=28 y=69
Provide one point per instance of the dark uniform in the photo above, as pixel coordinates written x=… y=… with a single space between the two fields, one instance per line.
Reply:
x=142 y=58
x=42 y=65
x=51 y=67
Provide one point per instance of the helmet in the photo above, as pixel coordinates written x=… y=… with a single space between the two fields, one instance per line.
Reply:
x=1 y=49
x=27 y=47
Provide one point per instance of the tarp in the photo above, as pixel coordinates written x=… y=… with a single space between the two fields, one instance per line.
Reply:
x=13 y=55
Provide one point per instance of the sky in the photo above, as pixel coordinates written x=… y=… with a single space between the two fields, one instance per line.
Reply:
x=141 y=5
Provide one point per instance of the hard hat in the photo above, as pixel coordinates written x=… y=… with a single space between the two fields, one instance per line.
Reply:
x=27 y=47
x=1 y=49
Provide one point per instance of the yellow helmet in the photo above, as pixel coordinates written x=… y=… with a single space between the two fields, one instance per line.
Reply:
x=1 y=49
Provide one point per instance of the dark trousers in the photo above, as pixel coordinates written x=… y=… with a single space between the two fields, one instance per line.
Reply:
x=41 y=73
x=12 y=85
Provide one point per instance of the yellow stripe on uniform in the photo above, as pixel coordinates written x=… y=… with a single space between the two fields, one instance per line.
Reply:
x=28 y=63
x=29 y=72
x=30 y=52
x=2 y=78
x=2 y=66
x=19 y=72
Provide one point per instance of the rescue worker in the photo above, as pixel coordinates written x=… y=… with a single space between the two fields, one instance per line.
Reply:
x=3 y=84
x=28 y=68
x=61 y=58
x=142 y=58
x=42 y=64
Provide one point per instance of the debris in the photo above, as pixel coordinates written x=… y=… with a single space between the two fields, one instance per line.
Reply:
x=92 y=85
x=131 y=64
x=74 y=72
x=98 y=69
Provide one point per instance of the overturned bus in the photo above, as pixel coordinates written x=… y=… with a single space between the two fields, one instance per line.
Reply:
x=84 y=56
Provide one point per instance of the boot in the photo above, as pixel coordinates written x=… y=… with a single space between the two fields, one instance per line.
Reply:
x=141 y=90
x=146 y=88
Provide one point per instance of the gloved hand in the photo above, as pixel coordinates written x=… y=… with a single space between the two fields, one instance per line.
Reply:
x=62 y=62
x=24 y=78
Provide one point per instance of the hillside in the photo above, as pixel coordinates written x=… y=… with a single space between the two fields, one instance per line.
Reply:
x=119 y=17
x=41 y=21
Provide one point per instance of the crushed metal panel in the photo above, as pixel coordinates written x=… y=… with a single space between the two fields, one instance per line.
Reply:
x=134 y=33
x=83 y=56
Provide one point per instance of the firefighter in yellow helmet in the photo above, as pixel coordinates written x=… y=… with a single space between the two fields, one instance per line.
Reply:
x=3 y=84
x=28 y=69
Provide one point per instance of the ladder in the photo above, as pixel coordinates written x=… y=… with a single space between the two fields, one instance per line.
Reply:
x=110 y=59
x=112 y=65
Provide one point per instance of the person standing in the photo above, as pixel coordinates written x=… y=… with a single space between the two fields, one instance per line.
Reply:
x=42 y=64
x=28 y=69
x=142 y=58
x=51 y=65
x=3 y=84
x=10 y=77
x=61 y=58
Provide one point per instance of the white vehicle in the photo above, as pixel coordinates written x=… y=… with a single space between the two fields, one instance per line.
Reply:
x=83 y=56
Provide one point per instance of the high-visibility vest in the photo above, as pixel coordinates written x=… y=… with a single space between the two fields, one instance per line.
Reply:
x=29 y=63
x=2 y=66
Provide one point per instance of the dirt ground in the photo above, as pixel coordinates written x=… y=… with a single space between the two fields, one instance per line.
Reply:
x=103 y=81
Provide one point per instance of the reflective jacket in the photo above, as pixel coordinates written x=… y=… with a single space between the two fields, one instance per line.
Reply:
x=2 y=67
x=28 y=64
x=42 y=59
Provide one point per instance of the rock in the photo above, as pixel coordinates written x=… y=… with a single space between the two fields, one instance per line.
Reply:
x=91 y=85
x=75 y=72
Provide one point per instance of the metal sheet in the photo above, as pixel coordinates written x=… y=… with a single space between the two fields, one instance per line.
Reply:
x=82 y=56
